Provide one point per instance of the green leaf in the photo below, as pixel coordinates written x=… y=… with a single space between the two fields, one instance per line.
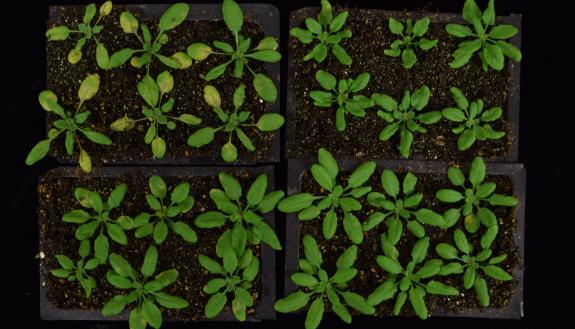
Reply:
x=77 y=216
x=101 y=248
x=357 y=302
x=395 y=27
x=313 y=26
x=58 y=33
x=150 y=261
x=477 y=171
x=322 y=177
x=455 y=176
x=45 y=98
x=385 y=101
x=429 y=217
x=149 y=91
x=446 y=251
x=502 y=200
x=438 y=288
x=114 y=306
x=185 y=231
x=453 y=114
x=496 y=273
x=383 y=292
x=458 y=30
x=360 y=82
x=209 y=264
x=503 y=32
x=296 y=202
x=489 y=13
x=343 y=275
x=461 y=241
x=303 y=279
x=165 y=82
x=421 y=26
x=180 y=193
x=471 y=12
x=388 y=264
x=173 y=16
x=347 y=258
x=117 y=234
x=304 y=36
x=160 y=232
x=327 y=161
x=214 y=286
x=451 y=268
x=96 y=137
x=329 y=225
x=361 y=174
x=210 y=219
x=326 y=80
x=265 y=87
x=267 y=56
x=493 y=55
x=399 y=302
x=417 y=302
x=482 y=292
x=309 y=213
x=128 y=22
x=270 y=122
x=65 y=262
x=60 y=273
x=341 y=55
x=38 y=152
x=419 y=250
x=152 y=313
x=314 y=314
x=498 y=259
x=171 y=302
x=509 y=50
x=201 y=137
x=448 y=195
x=216 y=303
x=199 y=51
x=311 y=251
x=269 y=201
x=102 y=57
x=352 y=228
x=233 y=16
x=420 y=97
x=390 y=183
x=408 y=58
x=231 y=186
x=137 y=320
x=406 y=138
x=292 y=302
x=216 y=71
x=486 y=216
x=89 y=87
x=158 y=186
x=120 y=265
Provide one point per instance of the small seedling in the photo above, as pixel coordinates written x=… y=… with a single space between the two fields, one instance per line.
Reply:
x=327 y=30
x=395 y=208
x=241 y=55
x=79 y=271
x=412 y=38
x=473 y=120
x=316 y=284
x=346 y=199
x=86 y=29
x=405 y=116
x=100 y=220
x=144 y=290
x=151 y=46
x=237 y=276
x=232 y=123
x=71 y=124
x=341 y=95
x=488 y=37
x=473 y=198
x=245 y=217
x=156 y=111
x=164 y=218
x=407 y=281
x=470 y=264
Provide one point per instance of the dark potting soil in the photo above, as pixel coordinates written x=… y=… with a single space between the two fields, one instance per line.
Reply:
x=57 y=198
x=315 y=126
x=118 y=95
x=370 y=275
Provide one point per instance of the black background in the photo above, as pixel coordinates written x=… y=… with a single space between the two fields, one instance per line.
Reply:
x=549 y=294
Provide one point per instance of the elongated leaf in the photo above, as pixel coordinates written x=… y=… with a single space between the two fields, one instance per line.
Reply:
x=173 y=16
x=361 y=174
x=292 y=302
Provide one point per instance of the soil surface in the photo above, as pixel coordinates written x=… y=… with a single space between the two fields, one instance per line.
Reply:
x=57 y=237
x=370 y=275
x=315 y=126
x=118 y=95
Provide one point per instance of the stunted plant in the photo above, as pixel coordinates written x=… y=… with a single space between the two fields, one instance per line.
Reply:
x=145 y=289
x=241 y=54
x=473 y=198
x=342 y=95
x=394 y=208
x=72 y=125
x=405 y=117
x=327 y=30
x=232 y=123
x=315 y=284
x=412 y=38
x=473 y=120
x=463 y=260
x=487 y=38
x=99 y=221
x=165 y=216
x=235 y=276
x=79 y=270
x=86 y=29
x=156 y=111
x=346 y=198
x=151 y=45
x=244 y=216
x=407 y=282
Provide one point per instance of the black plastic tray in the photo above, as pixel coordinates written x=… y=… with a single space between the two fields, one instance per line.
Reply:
x=265 y=15
x=514 y=71
x=264 y=310
x=516 y=172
